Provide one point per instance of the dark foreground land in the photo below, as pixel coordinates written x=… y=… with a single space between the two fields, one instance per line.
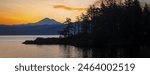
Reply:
x=74 y=41
x=113 y=49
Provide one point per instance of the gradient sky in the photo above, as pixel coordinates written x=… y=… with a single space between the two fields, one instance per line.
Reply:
x=30 y=11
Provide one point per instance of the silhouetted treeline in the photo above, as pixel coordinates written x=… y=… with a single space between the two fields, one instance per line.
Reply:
x=114 y=24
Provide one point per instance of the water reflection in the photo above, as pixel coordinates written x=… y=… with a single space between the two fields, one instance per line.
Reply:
x=75 y=52
x=12 y=47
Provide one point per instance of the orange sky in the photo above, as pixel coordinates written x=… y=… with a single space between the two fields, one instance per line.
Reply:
x=30 y=11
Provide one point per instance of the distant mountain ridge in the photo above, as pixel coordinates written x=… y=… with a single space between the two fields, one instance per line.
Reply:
x=45 y=21
x=45 y=26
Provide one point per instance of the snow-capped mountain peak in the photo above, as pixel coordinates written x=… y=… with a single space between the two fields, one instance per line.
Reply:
x=47 y=21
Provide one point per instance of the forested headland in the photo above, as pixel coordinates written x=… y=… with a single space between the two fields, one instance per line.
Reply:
x=111 y=24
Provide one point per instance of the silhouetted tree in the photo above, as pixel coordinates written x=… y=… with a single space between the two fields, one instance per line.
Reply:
x=146 y=22
x=67 y=31
x=85 y=24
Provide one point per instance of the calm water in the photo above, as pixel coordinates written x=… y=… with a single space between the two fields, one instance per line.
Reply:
x=12 y=47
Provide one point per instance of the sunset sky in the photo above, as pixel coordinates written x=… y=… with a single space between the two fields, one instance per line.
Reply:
x=30 y=11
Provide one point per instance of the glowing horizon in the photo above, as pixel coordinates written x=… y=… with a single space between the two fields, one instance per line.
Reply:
x=30 y=11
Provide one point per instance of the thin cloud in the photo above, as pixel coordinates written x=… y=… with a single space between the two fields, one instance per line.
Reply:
x=68 y=8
